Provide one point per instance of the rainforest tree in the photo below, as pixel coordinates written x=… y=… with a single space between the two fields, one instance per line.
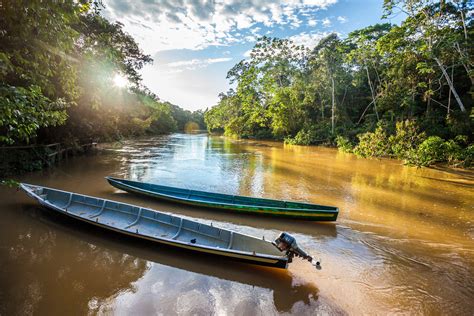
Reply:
x=407 y=82
x=58 y=61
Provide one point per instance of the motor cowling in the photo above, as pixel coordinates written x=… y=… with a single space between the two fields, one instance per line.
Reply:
x=286 y=242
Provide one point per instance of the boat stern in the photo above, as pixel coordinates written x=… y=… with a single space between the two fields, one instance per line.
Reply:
x=286 y=242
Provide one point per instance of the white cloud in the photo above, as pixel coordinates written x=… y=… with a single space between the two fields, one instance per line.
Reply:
x=162 y=25
x=342 y=19
x=189 y=24
x=308 y=39
x=251 y=38
x=323 y=4
x=244 y=21
x=312 y=22
x=201 y=90
x=326 y=22
x=255 y=30
x=196 y=63
x=247 y=54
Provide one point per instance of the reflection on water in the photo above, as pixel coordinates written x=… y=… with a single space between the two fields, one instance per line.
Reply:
x=403 y=241
x=46 y=272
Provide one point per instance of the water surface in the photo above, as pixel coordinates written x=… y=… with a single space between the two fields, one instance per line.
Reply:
x=404 y=240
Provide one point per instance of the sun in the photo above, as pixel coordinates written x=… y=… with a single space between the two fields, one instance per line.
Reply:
x=120 y=81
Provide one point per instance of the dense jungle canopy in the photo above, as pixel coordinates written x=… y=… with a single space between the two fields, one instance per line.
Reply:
x=67 y=74
x=403 y=91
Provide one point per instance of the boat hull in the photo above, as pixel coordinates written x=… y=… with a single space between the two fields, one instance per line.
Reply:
x=327 y=214
x=251 y=258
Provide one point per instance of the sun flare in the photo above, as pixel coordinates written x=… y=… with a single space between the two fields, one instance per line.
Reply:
x=120 y=81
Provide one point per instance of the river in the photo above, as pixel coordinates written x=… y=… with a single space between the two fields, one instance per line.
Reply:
x=403 y=242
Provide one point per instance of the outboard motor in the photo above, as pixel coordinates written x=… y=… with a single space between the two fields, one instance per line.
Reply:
x=286 y=242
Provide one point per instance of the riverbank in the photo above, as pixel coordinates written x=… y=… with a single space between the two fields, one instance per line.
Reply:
x=22 y=159
x=406 y=144
x=17 y=160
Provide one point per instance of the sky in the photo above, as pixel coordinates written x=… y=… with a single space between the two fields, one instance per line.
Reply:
x=195 y=42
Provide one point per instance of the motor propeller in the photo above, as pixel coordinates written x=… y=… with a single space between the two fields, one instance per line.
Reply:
x=286 y=242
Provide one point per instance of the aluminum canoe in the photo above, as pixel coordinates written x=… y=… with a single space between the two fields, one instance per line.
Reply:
x=159 y=227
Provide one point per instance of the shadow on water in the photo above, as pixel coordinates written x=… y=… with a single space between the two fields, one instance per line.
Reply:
x=465 y=173
x=468 y=183
x=286 y=292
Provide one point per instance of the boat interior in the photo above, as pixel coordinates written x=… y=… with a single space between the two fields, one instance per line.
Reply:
x=152 y=224
x=202 y=196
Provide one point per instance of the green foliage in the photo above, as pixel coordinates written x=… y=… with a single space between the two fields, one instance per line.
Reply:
x=417 y=71
x=58 y=60
x=18 y=160
x=218 y=117
x=468 y=156
x=38 y=46
x=373 y=144
x=435 y=149
x=10 y=183
x=431 y=150
x=312 y=135
x=413 y=147
x=285 y=116
x=24 y=110
x=185 y=117
x=303 y=137
x=162 y=120
x=406 y=139
x=344 y=144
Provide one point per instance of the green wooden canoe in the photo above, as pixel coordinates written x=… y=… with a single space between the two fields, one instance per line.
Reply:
x=236 y=203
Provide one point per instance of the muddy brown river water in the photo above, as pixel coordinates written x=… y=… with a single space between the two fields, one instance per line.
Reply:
x=403 y=243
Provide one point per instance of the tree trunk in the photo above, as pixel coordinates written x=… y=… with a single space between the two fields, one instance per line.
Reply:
x=343 y=98
x=449 y=94
x=466 y=66
x=333 y=108
x=363 y=113
x=372 y=92
x=451 y=86
x=463 y=24
x=428 y=101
